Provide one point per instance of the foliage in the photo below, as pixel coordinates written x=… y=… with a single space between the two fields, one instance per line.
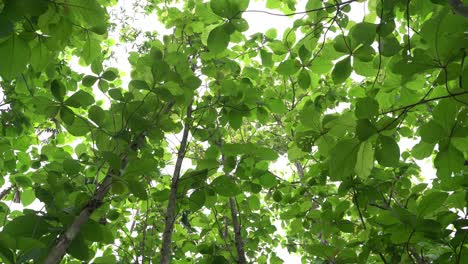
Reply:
x=97 y=152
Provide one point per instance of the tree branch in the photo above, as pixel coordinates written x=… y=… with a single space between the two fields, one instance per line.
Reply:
x=63 y=242
x=423 y=102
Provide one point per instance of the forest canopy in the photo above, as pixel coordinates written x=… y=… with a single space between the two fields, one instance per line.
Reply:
x=218 y=146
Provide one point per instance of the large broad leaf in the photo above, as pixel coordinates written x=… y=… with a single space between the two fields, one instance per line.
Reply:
x=225 y=186
x=365 y=160
x=364 y=33
x=14 y=54
x=387 y=152
x=197 y=200
x=366 y=108
x=80 y=99
x=228 y=8
x=288 y=67
x=343 y=159
x=342 y=70
x=218 y=39
x=431 y=202
x=431 y=132
x=449 y=160
x=445 y=114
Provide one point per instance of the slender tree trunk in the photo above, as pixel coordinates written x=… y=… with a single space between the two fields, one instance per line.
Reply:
x=237 y=232
x=171 y=206
x=63 y=242
x=239 y=241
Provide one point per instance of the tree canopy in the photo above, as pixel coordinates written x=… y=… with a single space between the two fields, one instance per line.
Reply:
x=177 y=160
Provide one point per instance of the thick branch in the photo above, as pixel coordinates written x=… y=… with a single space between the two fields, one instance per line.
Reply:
x=57 y=252
x=63 y=242
x=171 y=206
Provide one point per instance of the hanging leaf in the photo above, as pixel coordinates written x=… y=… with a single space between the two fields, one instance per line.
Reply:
x=342 y=70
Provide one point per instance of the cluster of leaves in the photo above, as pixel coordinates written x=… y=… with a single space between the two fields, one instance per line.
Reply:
x=353 y=195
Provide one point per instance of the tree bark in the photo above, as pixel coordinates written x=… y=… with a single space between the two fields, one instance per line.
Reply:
x=57 y=252
x=63 y=242
x=239 y=241
x=300 y=169
x=237 y=232
x=171 y=206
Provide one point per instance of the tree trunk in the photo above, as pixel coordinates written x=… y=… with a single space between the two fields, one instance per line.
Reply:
x=171 y=206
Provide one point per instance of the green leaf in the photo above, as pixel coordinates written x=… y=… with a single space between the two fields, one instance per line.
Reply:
x=288 y=67
x=364 y=53
x=79 y=127
x=110 y=74
x=422 y=150
x=346 y=226
x=80 y=99
x=342 y=70
x=268 y=180
x=15 y=55
x=235 y=119
x=228 y=8
x=364 y=33
x=225 y=186
x=445 y=114
x=431 y=202
x=58 y=90
x=91 y=50
x=40 y=56
x=267 y=58
x=449 y=160
x=276 y=106
x=89 y=80
x=460 y=143
x=197 y=200
x=387 y=152
x=431 y=132
x=67 y=115
x=79 y=249
x=389 y=46
x=365 y=129
x=304 y=79
x=97 y=115
x=365 y=160
x=366 y=108
x=139 y=167
x=343 y=159
x=138 y=189
x=218 y=39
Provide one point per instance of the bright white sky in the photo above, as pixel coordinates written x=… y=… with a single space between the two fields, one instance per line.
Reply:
x=258 y=22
